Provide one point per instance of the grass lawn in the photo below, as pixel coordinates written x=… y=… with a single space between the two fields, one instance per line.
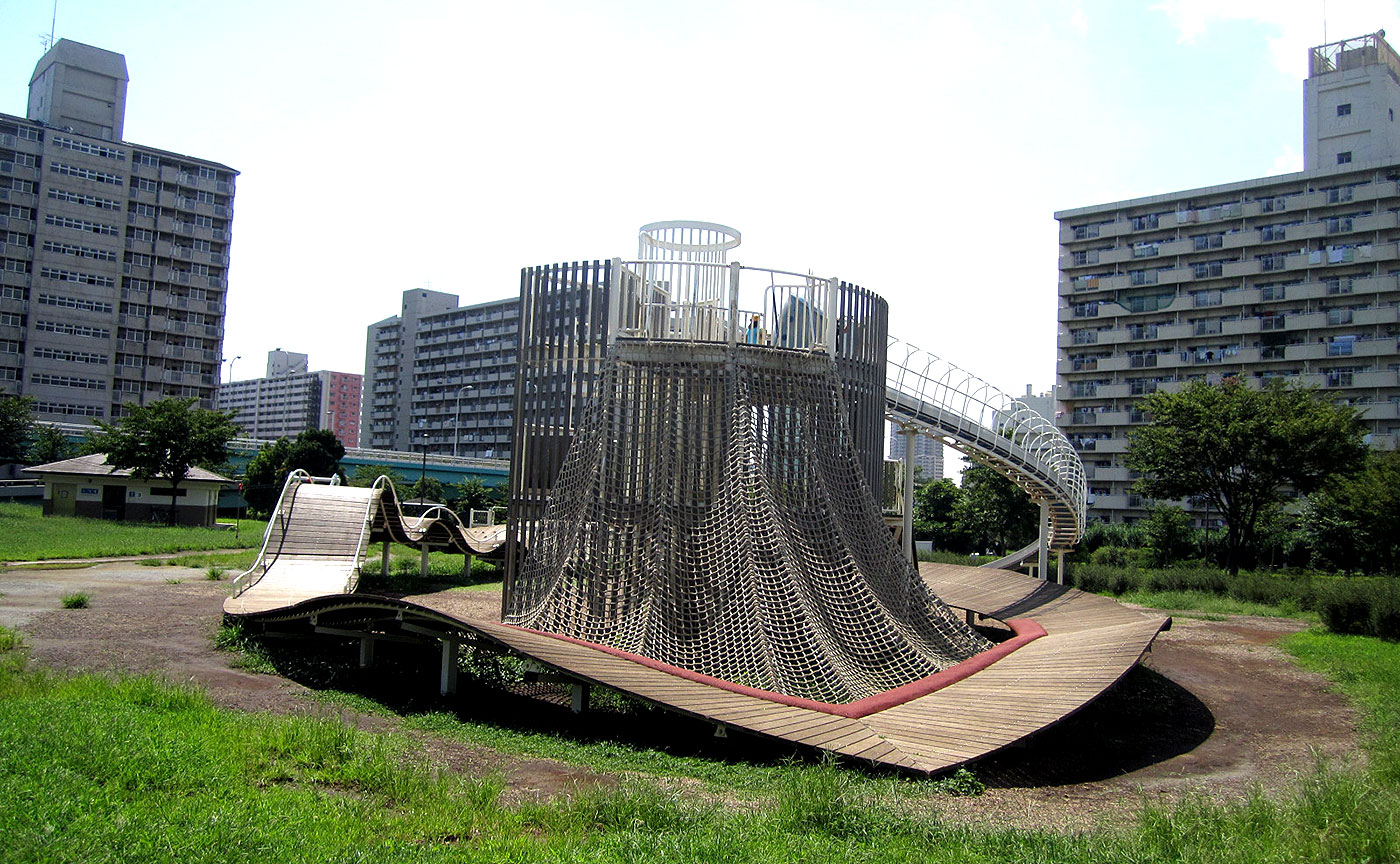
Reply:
x=27 y=535
x=1203 y=604
x=100 y=769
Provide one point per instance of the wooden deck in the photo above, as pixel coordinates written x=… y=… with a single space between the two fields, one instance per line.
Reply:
x=1091 y=642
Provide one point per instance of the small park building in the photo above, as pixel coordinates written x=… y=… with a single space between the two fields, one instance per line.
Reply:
x=88 y=486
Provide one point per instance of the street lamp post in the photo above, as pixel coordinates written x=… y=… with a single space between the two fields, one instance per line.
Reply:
x=423 y=471
x=230 y=361
x=457 y=418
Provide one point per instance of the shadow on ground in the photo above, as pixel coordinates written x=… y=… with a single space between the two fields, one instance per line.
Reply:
x=1144 y=719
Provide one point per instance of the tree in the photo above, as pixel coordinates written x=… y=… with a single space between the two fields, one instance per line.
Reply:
x=50 y=445
x=16 y=423
x=365 y=475
x=935 y=508
x=165 y=439
x=426 y=489
x=1242 y=448
x=993 y=512
x=316 y=451
x=1354 y=523
x=471 y=494
x=1168 y=534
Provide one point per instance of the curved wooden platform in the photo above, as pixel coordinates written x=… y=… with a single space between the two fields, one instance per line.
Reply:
x=1090 y=643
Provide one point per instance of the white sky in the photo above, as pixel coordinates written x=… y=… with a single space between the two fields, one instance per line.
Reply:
x=916 y=148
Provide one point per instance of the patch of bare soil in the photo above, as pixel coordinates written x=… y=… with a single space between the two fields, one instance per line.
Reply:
x=1216 y=710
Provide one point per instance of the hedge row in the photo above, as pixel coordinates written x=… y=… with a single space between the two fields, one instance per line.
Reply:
x=1368 y=606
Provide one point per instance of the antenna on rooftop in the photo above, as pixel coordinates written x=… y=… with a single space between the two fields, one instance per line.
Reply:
x=47 y=39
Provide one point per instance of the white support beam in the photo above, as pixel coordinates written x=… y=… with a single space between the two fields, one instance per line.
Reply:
x=447 y=677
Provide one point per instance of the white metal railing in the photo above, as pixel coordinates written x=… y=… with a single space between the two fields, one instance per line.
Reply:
x=992 y=427
x=248 y=578
x=701 y=301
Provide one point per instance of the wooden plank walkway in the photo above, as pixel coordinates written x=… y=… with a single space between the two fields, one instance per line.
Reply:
x=1091 y=642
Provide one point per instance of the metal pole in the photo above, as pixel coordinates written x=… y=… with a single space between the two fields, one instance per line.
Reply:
x=734 y=303
x=909 y=434
x=423 y=471
x=1043 y=559
x=457 y=418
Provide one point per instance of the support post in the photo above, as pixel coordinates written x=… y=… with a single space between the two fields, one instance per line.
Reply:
x=615 y=310
x=1043 y=560
x=578 y=697
x=909 y=433
x=366 y=651
x=384 y=560
x=832 y=299
x=423 y=561
x=733 y=303
x=447 y=678
x=467 y=566
x=1060 y=568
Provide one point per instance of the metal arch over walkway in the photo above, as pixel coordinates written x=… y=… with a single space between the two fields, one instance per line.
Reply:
x=927 y=395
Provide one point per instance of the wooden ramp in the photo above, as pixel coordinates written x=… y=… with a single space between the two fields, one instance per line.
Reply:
x=1090 y=643
x=438 y=528
x=313 y=548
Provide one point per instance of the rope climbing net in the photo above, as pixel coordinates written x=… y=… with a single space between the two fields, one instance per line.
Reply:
x=711 y=513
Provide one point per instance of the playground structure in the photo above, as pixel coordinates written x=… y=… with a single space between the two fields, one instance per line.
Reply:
x=692 y=521
x=321 y=531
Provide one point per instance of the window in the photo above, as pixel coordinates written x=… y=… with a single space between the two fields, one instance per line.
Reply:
x=86 y=174
x=1344 y=109
x=80 y=225
x=79 y=251
x=1344 y=157
x=72 y=329
x=81 y=278
x=71 y=356
x=93 y=149
x=64 y=408
x=87 y=200
x=67 y=381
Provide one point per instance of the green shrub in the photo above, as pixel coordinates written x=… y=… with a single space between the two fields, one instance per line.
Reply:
x=1365 y=607
x=76 y=600
x=1114 y=556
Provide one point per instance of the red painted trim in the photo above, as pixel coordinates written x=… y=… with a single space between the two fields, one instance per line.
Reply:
x=1026 y=631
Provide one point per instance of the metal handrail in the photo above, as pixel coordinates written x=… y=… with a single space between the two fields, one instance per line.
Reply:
x=241 y=582
x=992 y=428
x=705 y=301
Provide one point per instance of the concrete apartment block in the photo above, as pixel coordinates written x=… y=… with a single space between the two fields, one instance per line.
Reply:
x=1295 y=277
x=113 y=256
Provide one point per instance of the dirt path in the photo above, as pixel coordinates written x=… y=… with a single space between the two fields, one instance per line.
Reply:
x=1217 y=710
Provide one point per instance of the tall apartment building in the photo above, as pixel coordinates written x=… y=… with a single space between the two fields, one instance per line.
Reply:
x=441 y=377
x=113 y=256
x=928 y=454
x=292 y=400
x=1295 y=276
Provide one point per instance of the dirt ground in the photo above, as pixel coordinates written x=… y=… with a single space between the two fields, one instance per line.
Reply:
x=1217 y=710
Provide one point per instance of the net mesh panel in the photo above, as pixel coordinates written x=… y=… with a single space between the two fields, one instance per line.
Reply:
x=711 y=514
